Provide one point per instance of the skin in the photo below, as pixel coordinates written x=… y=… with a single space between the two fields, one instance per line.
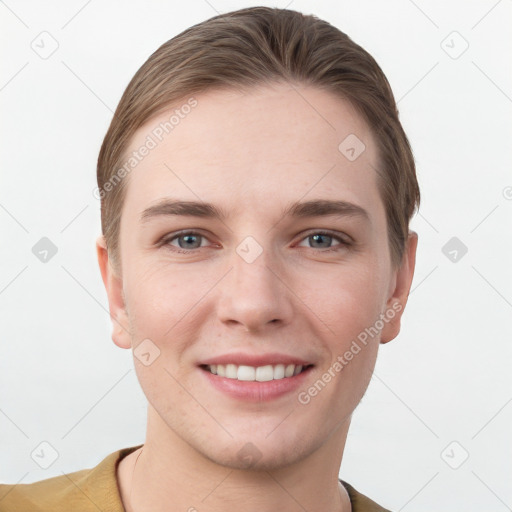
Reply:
x=251 y=154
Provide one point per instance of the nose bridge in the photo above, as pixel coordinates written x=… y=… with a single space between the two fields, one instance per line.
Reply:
x=253 y=295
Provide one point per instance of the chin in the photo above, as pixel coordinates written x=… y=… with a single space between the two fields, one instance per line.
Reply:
x=260 y=453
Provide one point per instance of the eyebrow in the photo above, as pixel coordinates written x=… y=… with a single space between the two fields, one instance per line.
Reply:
x=297 y=209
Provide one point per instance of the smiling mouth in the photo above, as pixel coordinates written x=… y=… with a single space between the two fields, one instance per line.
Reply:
x=256 y=373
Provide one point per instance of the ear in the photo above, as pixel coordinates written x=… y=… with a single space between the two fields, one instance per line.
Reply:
x=114 y=287
x=399 y=292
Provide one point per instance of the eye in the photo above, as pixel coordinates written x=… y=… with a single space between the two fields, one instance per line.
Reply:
x=191 y=241
x=322 y=237
x=188 y=241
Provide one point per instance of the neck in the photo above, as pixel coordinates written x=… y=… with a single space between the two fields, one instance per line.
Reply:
x=167 y=474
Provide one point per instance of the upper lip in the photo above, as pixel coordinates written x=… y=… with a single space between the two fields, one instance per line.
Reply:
x=256 y=360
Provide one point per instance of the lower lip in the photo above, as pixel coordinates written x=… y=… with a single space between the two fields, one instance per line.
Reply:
x=254 y=391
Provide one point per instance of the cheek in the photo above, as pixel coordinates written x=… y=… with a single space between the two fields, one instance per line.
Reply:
x=348 y=298
x=357 y=327
x=162 y=299
x=351 y=309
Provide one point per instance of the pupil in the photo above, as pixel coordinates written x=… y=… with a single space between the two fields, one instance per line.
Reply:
x=316 y=237
x=188 y=237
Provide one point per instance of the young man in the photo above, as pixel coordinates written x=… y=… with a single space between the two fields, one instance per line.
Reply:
x=256 y=189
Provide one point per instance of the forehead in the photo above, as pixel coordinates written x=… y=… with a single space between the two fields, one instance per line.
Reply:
x=281 y=142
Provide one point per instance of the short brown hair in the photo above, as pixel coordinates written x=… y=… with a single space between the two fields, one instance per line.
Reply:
x=260 y=45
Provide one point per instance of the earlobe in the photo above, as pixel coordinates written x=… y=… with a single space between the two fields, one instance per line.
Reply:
x=114 y=288
x=396 y=303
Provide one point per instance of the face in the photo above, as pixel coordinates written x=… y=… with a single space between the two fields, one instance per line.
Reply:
x=260 y=283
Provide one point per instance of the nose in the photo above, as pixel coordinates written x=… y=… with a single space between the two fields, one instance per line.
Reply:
x=255 y=294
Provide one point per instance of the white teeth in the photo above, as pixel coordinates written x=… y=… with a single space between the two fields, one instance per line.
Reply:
x=251 y=373
x=264 y=373
x=231 y=371
x=278 y=371
x=246 y=373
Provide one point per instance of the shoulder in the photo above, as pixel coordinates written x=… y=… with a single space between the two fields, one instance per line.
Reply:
x=44 y=495
x=360 y=502
x=85 y=490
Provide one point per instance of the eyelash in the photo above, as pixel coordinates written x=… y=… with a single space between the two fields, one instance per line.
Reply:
x=165 y=241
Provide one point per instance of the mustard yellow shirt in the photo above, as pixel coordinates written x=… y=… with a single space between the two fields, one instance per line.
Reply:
x=95 y=489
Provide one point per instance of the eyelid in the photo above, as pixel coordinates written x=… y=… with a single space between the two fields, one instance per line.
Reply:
x=341 y=237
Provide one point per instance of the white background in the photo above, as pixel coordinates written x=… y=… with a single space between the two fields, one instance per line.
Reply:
x=445 y=378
